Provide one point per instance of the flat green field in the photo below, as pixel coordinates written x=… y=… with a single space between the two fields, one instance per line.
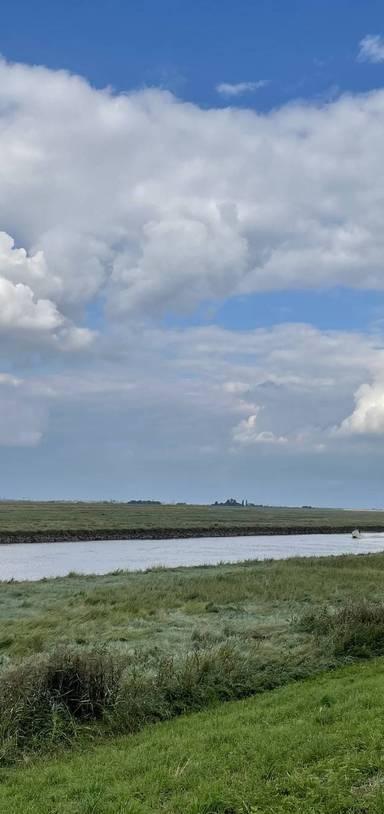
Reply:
x=312 y=748
x=163 y=612
x=28 y=518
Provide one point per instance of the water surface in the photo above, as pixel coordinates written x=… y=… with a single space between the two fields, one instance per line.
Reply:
x=36 y=560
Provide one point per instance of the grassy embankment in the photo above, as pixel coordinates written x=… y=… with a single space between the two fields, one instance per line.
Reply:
x=25 y=520
x=313 y=748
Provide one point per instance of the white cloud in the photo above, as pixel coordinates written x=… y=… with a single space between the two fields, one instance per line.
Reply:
x=368 y=416
x=290 y=384
x=21 y=310
x=239 y=88
x=247 y=432
x=146 y=204
x=212 y=386
x=18 y=267
x=174 y=392
x=151 y=204
x=371 y=48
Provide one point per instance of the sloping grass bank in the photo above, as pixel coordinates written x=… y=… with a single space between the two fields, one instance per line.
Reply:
x=67 y=696
x=309 y=748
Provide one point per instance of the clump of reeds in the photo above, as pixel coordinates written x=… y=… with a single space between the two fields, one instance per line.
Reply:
x=45 y=700
x=354 y=631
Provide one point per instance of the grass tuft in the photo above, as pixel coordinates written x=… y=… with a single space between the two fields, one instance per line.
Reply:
x=354 y=631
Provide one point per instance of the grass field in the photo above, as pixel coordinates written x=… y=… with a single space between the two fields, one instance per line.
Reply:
x=310 y=748
x=28 y=518
x=166 y=611
x=86 y=659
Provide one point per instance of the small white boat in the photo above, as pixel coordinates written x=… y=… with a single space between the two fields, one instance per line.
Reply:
x=356 y=534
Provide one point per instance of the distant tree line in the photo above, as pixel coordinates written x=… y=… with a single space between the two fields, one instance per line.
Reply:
x=232 y=502
x=145 y=502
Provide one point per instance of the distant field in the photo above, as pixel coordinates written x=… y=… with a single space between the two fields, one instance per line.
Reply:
x=28 y=518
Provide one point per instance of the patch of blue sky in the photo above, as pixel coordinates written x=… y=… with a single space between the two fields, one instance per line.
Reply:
x=336 y=309
x=94 y=314
x=306 y=48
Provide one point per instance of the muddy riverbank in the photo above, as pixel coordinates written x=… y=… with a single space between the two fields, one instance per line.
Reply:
x=82 y=535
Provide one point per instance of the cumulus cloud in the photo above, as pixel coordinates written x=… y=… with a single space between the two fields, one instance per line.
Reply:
x=239 y=88
x=21 y=310
x=18 y=309
x=144 y=204
x=247 y=432
x=368 y=416
x=268 y=377
x=371 y=48
x=151 y=204
x=17 y=266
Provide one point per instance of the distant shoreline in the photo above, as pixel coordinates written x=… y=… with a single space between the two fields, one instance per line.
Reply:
x=82 y=535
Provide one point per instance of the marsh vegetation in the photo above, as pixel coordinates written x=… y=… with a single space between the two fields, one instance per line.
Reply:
x=90 y=657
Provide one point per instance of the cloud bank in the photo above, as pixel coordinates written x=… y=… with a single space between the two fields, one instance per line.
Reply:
x=157 y=205
x=139 y=206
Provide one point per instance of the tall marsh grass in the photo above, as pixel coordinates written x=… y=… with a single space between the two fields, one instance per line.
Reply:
x=46 y=700
x=354 y=631
x=229 y=630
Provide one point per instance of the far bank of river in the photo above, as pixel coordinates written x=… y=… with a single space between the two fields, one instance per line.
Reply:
x=84 y=535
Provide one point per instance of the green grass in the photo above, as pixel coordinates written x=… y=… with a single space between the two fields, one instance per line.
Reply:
x=311 y=748
x=170 y=611
x=34 y=517
x=86 y=658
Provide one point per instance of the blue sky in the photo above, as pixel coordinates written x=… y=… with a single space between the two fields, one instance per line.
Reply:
x=303 y=47
x=191 y=282
x=128 y=44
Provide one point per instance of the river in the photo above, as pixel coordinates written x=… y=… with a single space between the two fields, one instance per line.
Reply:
x=34 y=561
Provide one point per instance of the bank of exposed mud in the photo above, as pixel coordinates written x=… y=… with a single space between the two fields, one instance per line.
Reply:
x=80 y=535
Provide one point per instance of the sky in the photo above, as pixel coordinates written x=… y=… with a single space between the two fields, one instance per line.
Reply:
x=191 y=251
